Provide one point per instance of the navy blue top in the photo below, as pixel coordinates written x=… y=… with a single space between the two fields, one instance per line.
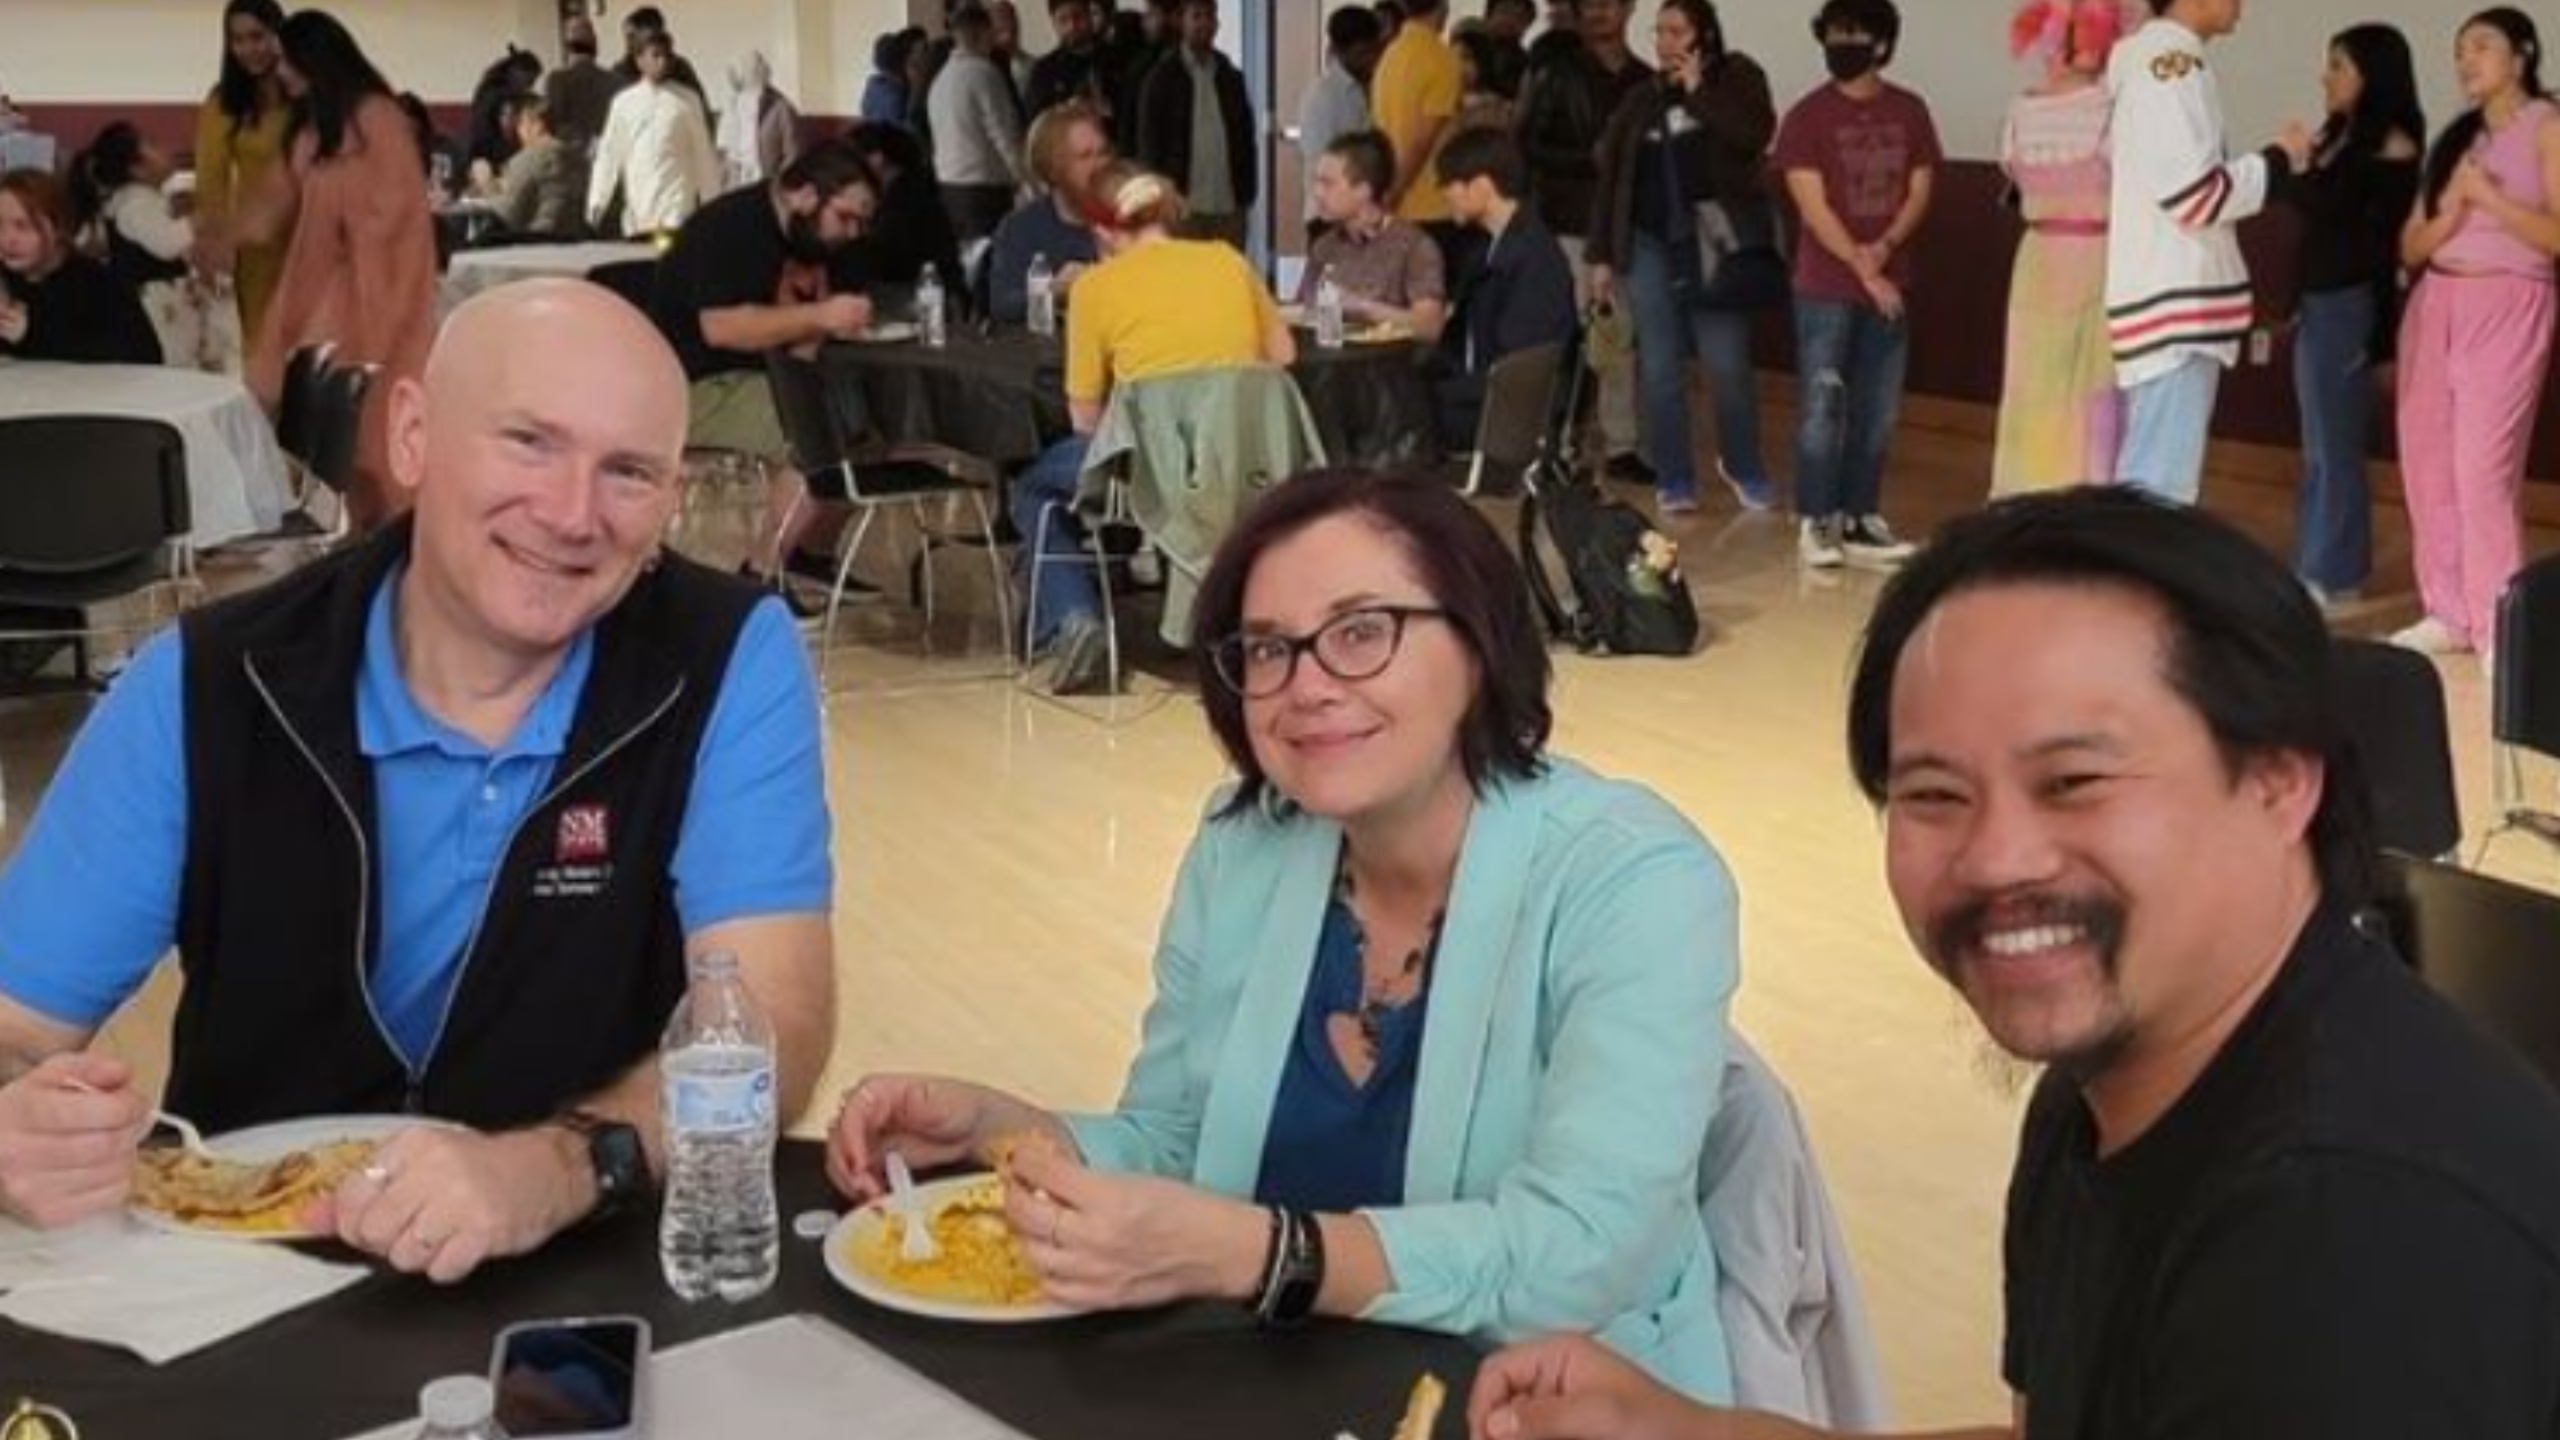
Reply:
x=1335 y=1146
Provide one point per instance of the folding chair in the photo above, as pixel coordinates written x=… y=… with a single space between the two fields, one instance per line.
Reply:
x=92 y=508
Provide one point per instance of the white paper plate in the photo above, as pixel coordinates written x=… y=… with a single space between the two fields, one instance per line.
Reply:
x=888 y=332
x=267 y=1142
x=863 y=1224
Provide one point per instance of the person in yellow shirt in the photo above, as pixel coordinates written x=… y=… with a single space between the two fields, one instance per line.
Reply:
x=1155 y=306
x=239 y=142
x=1414 y=98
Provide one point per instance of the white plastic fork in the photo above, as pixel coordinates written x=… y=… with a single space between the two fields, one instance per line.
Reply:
x=915 y=1238
x=188 y=1134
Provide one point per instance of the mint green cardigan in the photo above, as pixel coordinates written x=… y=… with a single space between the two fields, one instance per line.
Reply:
x=1569 y=1068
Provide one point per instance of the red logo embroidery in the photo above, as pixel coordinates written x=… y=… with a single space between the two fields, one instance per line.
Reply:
x=585 y=835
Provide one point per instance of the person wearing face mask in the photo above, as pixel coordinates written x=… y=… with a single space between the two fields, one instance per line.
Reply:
x=1861 y=159
x=749 y=273
x=2270 y=1185
x=1439 y=1015
x=2178 y=298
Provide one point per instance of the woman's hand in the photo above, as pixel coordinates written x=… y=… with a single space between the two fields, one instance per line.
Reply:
x=1103 y=1241
x=1570 y=1388
x=13 y=322
x=930 y=1119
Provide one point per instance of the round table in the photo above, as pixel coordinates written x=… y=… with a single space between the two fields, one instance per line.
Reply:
x=476 y=270
x=1002 y=396
x=235 y=473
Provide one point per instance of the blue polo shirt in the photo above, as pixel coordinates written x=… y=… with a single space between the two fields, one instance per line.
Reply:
x=91 y=901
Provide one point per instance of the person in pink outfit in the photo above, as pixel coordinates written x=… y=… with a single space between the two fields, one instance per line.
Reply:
x=2477 y=339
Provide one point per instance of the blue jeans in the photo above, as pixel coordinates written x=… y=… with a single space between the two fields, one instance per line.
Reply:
x=2333 y=382
x=1067 y=590
x=1849 y=362
x=2167 y=420
x=1669 y=334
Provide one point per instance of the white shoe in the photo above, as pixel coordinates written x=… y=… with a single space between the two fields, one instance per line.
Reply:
x=1818 y=543
x=1871 y=543
x=2431 y=636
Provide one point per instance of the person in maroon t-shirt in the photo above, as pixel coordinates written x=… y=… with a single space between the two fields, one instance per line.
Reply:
x=1861 y=157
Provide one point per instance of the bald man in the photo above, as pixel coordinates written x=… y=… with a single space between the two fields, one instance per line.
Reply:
x=434 y=823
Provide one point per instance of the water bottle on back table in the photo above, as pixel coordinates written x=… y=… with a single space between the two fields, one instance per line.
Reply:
x=1329 y=324
x=933 y=317
x=718 y=1234
x=1040 y=289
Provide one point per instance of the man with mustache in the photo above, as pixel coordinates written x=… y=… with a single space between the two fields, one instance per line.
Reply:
x=2270 y=1185
x=748 y=275
x=434 y=823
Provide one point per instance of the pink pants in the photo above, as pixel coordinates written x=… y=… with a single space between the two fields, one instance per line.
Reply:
x=2473 y=351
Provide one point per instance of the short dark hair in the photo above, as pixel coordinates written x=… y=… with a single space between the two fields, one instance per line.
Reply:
x=832 y=166
x=1353 y=26
x=972 y=18
x=647 y=17
x=1484 y=153
x=658 y=40
x=2246 y=646
x=1467 y=568
x=1529 y=5
x=1879 y=19
x=1369 y=157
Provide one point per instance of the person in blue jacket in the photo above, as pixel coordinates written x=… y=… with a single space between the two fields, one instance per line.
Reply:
x=1438 y=1017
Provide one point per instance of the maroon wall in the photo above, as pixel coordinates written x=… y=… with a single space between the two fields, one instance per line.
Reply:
x=173 y=127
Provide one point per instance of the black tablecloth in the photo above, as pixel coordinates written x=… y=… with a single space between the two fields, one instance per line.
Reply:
x=1002 y=397
x=356 y=1361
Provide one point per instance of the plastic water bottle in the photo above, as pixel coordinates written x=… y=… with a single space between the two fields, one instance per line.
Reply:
x=1328 y=312
x=1041 y=286
x=931 y=315
x=718 y=1233
x=458 y=1407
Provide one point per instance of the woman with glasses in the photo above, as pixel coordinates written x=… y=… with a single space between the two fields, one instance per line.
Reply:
x=1439 y=1017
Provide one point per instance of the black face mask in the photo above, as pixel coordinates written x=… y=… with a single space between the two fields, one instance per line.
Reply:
x=1849 y=59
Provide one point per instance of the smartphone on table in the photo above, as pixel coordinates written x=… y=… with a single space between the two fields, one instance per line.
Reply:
x=574 y=1379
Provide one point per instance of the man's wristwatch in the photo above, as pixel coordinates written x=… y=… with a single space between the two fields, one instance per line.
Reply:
x=621 y=1162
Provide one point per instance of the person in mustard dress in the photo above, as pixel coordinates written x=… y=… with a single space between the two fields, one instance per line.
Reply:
x=360 y=272
x=239 y=140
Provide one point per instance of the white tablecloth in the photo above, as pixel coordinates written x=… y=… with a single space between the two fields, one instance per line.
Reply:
x=473 y=271
x=235 y=473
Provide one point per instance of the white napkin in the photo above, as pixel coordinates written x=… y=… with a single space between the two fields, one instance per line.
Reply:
x=156 y=1294
x=795 y=1377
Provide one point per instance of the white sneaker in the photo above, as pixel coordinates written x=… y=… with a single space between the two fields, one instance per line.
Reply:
x=2431 y=636
x=1870 y=542
x=1818 y=543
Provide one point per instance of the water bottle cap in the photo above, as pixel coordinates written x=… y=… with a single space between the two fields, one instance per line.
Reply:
x=457 y=1402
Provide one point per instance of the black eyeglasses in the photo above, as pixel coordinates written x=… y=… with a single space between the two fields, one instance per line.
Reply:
x=1354 y=645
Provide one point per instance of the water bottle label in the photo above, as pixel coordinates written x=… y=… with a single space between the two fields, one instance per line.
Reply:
x=720 y=1104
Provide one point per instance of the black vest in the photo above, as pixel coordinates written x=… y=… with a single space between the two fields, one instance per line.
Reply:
x=577 y=961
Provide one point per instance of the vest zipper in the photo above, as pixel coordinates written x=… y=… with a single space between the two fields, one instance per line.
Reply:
x=471 y=943
x=364 y=867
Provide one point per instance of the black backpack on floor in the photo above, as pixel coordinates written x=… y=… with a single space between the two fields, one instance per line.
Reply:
x=1629 y=597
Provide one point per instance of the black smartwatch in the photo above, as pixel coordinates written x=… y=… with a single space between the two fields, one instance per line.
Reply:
x=621 y=1162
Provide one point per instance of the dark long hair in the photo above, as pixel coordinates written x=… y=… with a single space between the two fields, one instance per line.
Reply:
x=2464 y=132
x=2380 y=54
x=337 y=73
x=1470 y=573
x=107 y=166
x=238 y=94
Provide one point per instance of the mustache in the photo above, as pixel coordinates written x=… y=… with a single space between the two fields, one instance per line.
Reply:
x=1961 y=929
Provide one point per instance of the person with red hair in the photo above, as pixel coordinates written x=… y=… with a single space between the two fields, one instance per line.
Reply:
x=2060 y=418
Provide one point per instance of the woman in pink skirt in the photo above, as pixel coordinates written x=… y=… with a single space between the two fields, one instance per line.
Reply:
x=2477 y=340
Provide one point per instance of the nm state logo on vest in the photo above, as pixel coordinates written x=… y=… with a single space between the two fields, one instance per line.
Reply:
x=581 y=856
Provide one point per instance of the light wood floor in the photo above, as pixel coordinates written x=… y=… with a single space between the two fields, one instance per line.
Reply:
x=1003 y=861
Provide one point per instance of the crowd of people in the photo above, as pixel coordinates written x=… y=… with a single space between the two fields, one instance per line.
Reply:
x=2268 y=1184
